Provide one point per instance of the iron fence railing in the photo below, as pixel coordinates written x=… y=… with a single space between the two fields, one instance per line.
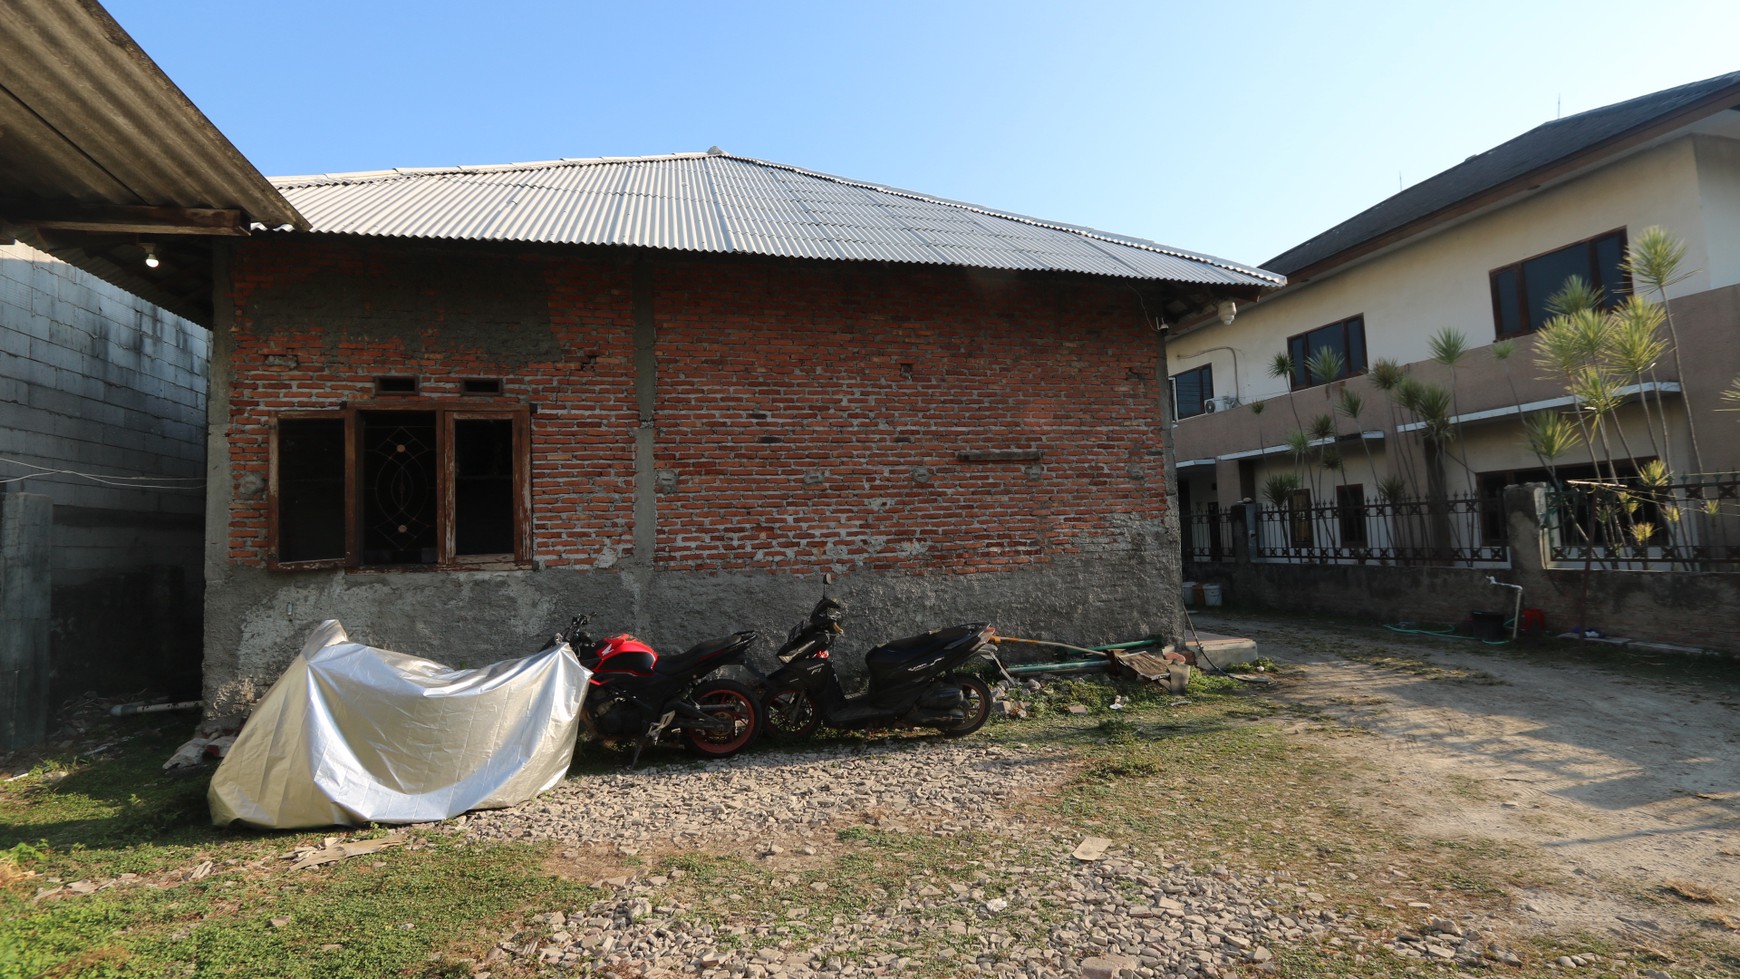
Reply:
x=1633 y=525
x=1454 y=532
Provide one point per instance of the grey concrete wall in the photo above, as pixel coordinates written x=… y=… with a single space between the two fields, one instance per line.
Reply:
x=469 y=619
x=25 y=522
x=102 y=409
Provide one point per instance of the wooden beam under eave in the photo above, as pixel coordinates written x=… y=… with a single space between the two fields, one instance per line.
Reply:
x=124 y=219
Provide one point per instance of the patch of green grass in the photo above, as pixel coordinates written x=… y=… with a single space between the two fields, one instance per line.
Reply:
x=118 y=814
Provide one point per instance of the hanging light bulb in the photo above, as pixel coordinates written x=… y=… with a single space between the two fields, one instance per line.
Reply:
x=151 y=261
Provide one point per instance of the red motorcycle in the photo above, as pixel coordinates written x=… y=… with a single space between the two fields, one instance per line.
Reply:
x=636 y=693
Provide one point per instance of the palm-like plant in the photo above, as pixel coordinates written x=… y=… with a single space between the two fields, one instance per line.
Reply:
x=1281 y=367
x=1351 y=406
x=1279 y=488
x=1550 y=436
x=1654 y=261
x=1325 y=364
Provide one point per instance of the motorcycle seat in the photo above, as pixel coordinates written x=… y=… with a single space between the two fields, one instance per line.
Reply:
x=934 y=639
x=691 y=659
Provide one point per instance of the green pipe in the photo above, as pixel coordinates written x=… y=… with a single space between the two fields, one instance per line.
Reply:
x=1138 y=644
x=1069 y=667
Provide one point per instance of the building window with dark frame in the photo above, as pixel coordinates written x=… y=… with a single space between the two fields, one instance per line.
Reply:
x=1350 y=514
x=1299 y=519
x=1345 y=337
x=431 y=485
x=1520 y=292
x=1191 y=391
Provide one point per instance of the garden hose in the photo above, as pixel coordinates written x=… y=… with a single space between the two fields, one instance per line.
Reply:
x=1448 y=633
x=1202 y=654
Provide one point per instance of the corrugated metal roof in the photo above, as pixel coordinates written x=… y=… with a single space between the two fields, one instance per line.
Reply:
x=1555 y=144
x=716 y=202
x=88 y=120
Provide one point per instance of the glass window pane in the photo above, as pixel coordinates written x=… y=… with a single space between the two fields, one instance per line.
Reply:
x=1544 y=277
x=1356 y=344
x=310 y=489
x=398 y=486
x=1505 y=303
x=1332 y=338
x=483 y=486
x=1609 y=251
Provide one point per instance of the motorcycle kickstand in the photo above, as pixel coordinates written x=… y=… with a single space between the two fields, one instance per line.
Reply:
x=652 y=734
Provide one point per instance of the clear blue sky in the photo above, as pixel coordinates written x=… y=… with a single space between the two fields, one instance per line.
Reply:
x=1236 y=129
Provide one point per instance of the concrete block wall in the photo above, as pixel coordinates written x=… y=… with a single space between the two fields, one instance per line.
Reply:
x=25 y=523
x=710 y=436
x=109 y=392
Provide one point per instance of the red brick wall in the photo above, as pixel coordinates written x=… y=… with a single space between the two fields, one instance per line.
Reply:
x=810 y=413
x=813 y=416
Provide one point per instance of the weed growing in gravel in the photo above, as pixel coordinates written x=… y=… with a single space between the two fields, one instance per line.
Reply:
x=1693 y=891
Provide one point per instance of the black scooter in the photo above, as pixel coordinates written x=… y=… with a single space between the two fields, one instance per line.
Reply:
x=911 y=683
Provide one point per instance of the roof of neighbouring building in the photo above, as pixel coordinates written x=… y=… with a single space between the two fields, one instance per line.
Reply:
x=1544 y=153
x=100 y=151
x=719 y=203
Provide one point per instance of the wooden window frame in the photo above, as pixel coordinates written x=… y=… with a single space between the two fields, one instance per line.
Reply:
x=447 y=413
x=1610 y=291
x=1300 y=379
x=1299 y=513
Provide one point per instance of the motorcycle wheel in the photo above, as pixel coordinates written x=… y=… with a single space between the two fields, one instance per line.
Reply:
x=737 y=703
x=975 y=703
x=791 y=714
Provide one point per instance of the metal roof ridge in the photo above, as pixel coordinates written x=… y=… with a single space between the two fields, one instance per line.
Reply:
x=359 y=176
x=1108 y=237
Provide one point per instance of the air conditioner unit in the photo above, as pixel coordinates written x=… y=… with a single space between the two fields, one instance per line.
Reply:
x=1225 y=402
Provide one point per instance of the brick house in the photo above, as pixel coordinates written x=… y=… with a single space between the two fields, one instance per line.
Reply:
x=675 y=391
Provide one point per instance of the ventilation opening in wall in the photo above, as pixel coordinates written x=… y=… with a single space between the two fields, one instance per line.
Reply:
x=395 y=385
x=481 y=385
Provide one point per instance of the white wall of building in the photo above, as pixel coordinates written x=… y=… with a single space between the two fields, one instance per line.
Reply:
x=1411 y=293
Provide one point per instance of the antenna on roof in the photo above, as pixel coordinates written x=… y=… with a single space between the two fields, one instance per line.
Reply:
x=1559 y=107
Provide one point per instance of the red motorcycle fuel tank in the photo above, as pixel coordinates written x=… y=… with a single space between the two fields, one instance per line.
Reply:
x=625 y=654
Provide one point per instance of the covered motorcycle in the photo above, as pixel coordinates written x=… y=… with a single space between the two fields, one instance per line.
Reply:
x=351 y=734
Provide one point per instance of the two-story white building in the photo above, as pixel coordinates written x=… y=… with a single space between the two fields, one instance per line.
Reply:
x=1477 y=250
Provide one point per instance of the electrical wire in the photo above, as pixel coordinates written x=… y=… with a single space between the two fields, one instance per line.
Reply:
x=120 y=482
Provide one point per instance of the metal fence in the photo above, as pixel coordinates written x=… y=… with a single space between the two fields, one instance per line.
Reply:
x=1460 y=531
x=1631 y=525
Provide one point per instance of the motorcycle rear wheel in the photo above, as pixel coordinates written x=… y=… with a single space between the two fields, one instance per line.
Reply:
x=791 y=713
x=975 y=703
x=731 y=700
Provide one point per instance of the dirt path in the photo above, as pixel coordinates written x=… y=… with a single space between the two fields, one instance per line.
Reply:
x=1624 y=787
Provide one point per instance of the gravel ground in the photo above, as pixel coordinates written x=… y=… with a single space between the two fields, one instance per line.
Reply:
x=1041 y=912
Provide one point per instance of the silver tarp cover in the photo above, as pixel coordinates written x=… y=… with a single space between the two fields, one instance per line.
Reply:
x=353 y=734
